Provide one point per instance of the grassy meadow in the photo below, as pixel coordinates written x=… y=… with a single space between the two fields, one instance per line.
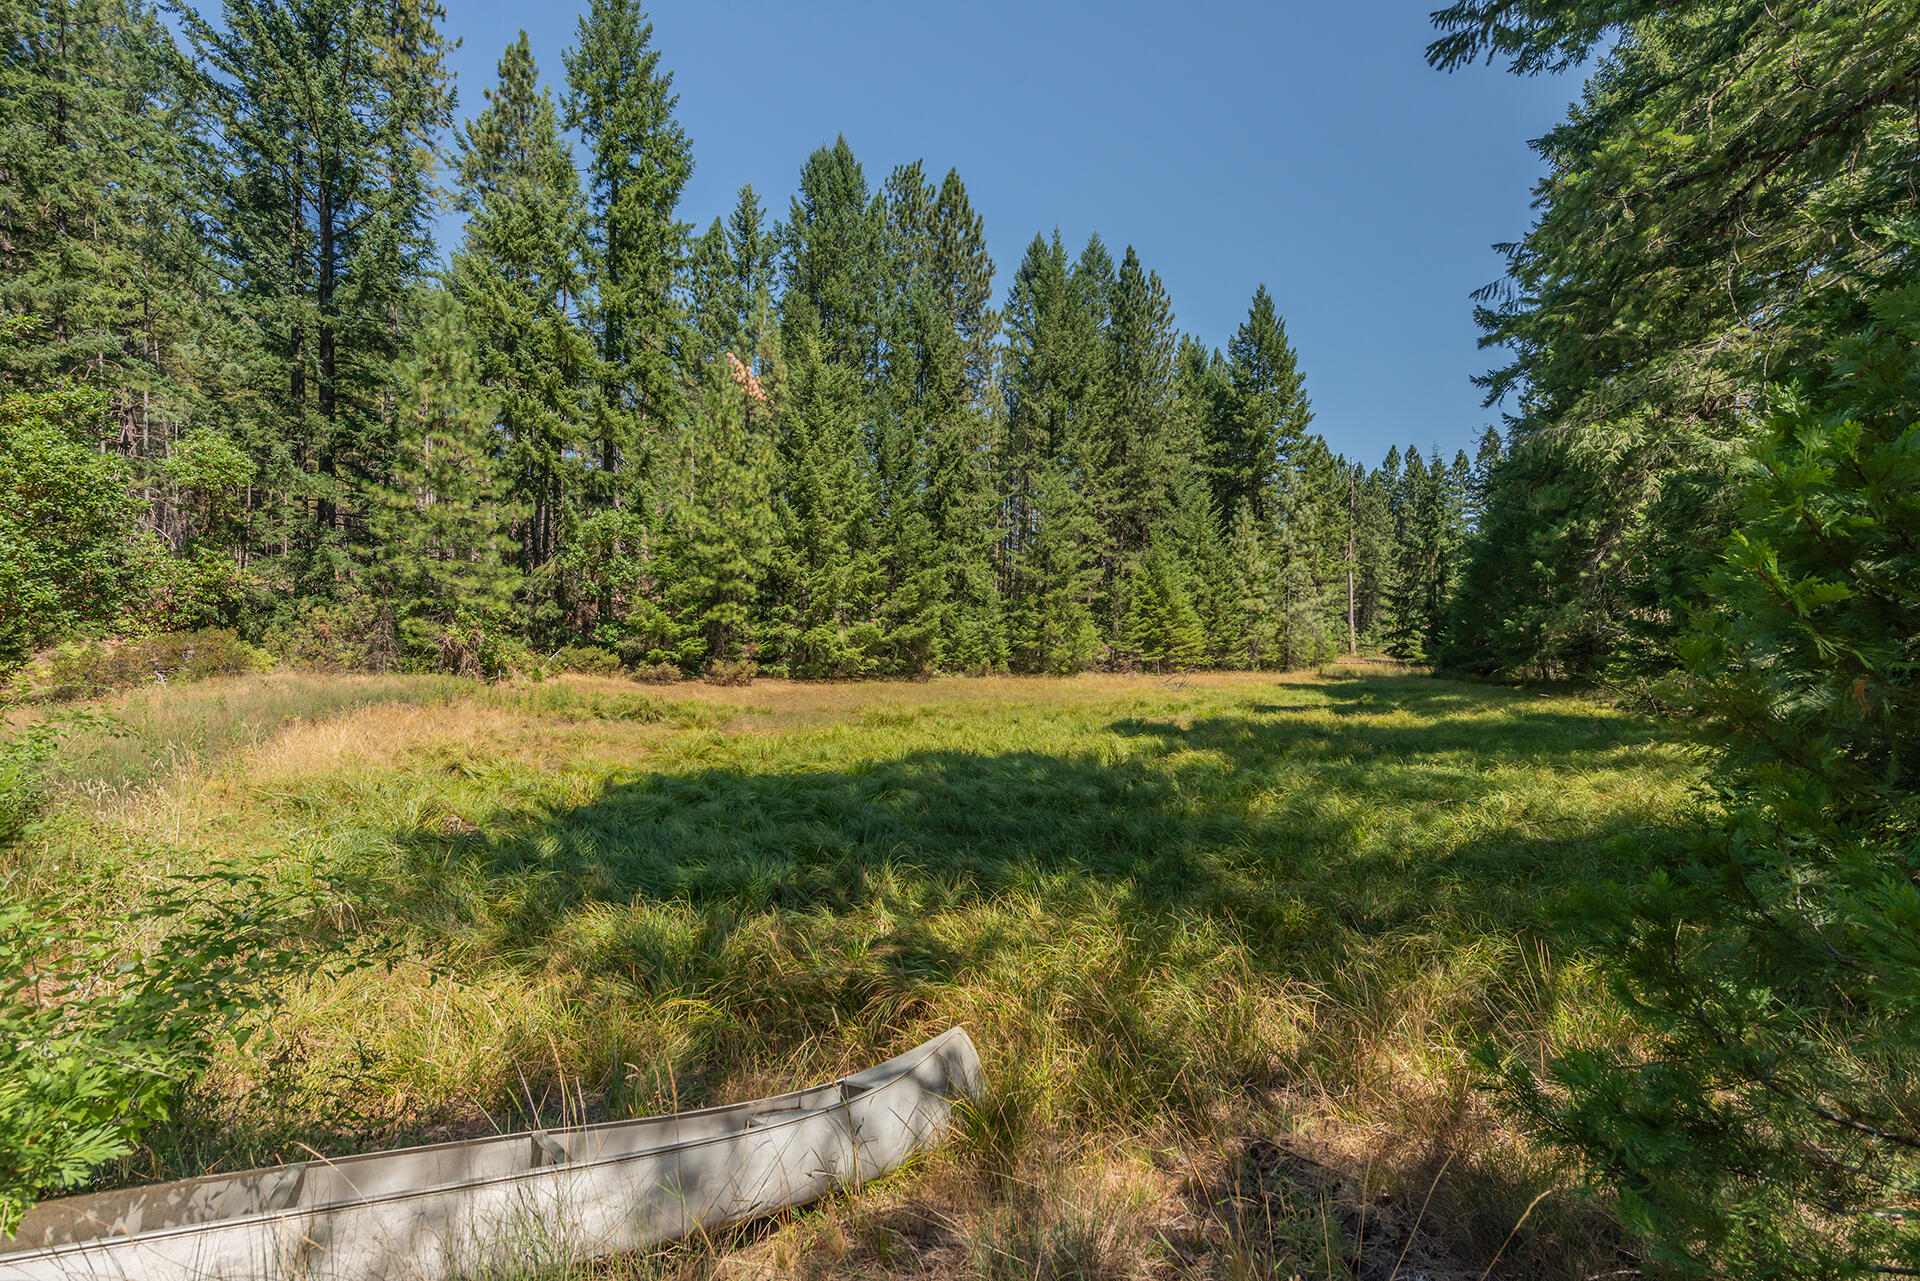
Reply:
x=1225 y=943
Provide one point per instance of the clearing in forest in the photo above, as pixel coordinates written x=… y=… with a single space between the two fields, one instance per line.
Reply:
x=1225 y=944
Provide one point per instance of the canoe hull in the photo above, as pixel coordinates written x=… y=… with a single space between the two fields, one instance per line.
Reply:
x=519 y=1203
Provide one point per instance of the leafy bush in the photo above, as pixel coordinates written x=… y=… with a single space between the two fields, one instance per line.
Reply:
x=89 y=669
x=23 y=762
x=96 y=1040
x=71 y=550
x=657 y=673
x=738 y=671
x=589 y=660
x=185 y=593
x=348 y=636
x=1767 y=1123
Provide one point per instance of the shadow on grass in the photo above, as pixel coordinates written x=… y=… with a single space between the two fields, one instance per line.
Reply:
x=1222 y=908
x=1268 y=822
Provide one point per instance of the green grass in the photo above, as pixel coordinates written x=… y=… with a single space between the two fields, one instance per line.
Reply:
x=1188 y=927
x=163 y=731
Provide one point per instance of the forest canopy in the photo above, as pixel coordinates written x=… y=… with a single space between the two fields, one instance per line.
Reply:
x=818 y=443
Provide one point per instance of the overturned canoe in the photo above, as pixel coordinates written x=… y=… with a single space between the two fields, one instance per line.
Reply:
x=520 y=1202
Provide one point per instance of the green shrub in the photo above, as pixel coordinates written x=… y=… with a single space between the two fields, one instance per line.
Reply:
x=72 y=551
x=1768 y=1121
x=348 y=636
x=97 y=1039
x=738 y=671
x=24 y=758
x=90 y=669
x=588 y=660
x=657 y=673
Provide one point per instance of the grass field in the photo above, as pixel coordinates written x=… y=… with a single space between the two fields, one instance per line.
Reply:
x=1224 y=943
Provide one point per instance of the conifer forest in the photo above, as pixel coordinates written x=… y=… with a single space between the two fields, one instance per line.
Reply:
x=1496 y=864
x=807 y=435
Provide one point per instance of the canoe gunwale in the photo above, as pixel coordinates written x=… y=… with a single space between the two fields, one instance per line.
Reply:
x=847 y=1090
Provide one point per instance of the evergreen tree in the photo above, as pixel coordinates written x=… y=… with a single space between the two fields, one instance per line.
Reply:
x=1759 y=1121
x=939 y=533
x=92 y=230
x=1486 y=459
x=448 y=563
x=1200 y=399
x=1251 y=585
x=820 y=593
x=518 y=277
x=1636 y=348
x=1415 y=558
x=1265 y=416
x=961 y=273
x=1193 y=534
x=1052 y=377
x=638 y=161
x=322 y=119
x=1137 y=454
x=731 y=269
x=720 y=528
x=1163 y=631
x=1430 y=530
x=1302 y=634
x=833 y=258
x=71 y=552
x=1372 y=554
x=1052 y=627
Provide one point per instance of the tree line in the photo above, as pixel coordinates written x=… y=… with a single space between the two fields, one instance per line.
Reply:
x=817 y=442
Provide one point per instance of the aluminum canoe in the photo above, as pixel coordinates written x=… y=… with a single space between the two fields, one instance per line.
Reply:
x=513 y=1205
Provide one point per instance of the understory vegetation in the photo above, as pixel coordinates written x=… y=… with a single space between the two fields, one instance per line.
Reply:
x=1226 y=945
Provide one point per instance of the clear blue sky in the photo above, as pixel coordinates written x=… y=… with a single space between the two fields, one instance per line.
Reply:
x=1304 y=145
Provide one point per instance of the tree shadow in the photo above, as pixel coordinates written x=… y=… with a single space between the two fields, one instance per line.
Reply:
x=1265 y=822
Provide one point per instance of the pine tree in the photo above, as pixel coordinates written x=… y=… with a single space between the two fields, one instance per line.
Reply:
x=518 y=277
x=322 y=118
x=1163 y=630
x=1637 y=354
x=833 y=258
x=1052 y=383
x=1251 y=583
x=731 y=268
x=93 y=240
x=638 y=161
x=1192 y=529
x=1266 y=412
x=1052 y=627
x=1302 y=633
x=447 y=560
x=1200 y=399
x=1137 y=454
x=1430 y=530
x=71 y=552
x=825 y=570
x=1372 y=551
x=1758 y=1118
x=961 y=273
x=936 y=491
x=1414 y=558
x=1486 y=460
x=720 y=529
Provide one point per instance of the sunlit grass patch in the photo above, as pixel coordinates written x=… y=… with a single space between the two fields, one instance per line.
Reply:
x=1175 y=918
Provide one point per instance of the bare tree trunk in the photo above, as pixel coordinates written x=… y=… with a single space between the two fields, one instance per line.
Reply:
x=1353 y=634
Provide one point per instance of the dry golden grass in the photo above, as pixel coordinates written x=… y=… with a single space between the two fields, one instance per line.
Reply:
x=1225 y=943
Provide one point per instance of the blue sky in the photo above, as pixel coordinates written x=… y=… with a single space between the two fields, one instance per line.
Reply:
x=1304 y=145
